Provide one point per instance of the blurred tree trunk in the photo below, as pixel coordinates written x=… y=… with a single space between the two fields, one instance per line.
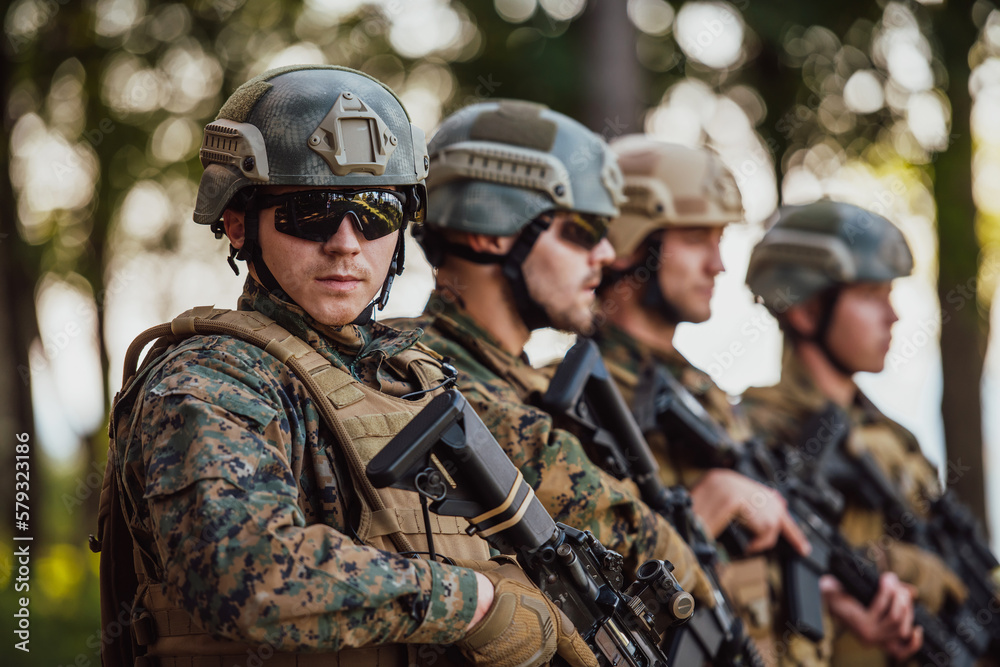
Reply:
x=779 y=90
x=93 y=264
x=615 y=91
x=18 y=323
x=71 y=37
x=964 y=326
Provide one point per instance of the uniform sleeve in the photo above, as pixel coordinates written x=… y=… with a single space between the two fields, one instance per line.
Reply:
x=233 y=539
x=577 y=492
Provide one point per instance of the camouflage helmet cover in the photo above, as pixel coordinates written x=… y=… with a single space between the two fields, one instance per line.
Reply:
x=308 y=125
x=496 y=166
x=820 y=245
x=669 y=185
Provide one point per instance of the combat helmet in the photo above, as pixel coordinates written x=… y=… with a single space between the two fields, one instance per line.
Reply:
x=670 y=185
x=667 y=185
x=309 y=125
x=497 y=166
x=824 y=245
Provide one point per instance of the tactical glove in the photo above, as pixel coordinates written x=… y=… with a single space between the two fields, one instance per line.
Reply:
x=934 y=581
x=522 y=628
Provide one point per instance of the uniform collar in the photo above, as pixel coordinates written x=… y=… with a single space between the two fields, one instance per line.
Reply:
x=445 y=313
x=798 y=387
x=622 y=350
x=625 y=352
x=449 y=315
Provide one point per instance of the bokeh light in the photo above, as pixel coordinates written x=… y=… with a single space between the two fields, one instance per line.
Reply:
x=653 y=17
x=710 y=33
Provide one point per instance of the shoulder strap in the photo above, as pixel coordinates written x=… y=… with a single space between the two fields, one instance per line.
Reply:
x=330 y=387
x=119 y=581
x=422 y=363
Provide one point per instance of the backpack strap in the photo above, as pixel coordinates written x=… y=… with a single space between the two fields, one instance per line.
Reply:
x=119 y=580
x=423 y=363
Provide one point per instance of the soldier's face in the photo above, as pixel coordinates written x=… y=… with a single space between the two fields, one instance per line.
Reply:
x=861 y=326
x=332 y=281
x=689 y=262
x=562 y=277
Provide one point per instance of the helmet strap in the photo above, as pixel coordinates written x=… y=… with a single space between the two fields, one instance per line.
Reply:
x=821 y=337
x=532 y=313
x=234 y=253
x=829 y=300
x=653 y=297
x=251 y=250
x=395 y=269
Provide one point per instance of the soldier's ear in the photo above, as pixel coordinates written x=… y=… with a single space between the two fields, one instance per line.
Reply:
x=804 y=317
x=235 y=230
x=623 y=263
x=487 y=243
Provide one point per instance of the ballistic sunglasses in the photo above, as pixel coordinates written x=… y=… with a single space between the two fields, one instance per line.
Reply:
x=315 y=215
x=584 y=230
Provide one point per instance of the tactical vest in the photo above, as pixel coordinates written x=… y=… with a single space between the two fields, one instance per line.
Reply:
x=362 y=421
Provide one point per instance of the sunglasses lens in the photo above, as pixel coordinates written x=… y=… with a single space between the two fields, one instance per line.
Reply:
x=585 y=231
x=315 y=215
x=379 y=211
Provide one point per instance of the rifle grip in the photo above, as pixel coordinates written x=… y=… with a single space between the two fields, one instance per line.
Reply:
x=736 y=539
x=803 y=597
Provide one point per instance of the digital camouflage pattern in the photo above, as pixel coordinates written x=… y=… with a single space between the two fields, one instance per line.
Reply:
x=235 y=491
x=780 y=412
x=759 y=602
x=501 y=388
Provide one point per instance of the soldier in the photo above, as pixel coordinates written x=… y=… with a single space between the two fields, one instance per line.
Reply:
x=680 y=201
x=236 y=469
x=519 y=202
x=825 y=271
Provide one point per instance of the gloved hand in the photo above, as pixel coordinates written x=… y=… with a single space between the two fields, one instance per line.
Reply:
x=934 y=581
x=522 y=628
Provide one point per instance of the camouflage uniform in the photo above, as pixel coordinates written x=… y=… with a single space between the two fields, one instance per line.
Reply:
x=501 y=387
x=753 y=583
x=235 y=492
x=779 y=412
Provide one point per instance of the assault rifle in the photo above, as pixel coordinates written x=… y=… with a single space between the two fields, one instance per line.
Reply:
x=798 y=474
x=447 y=455
x=582 y=391
x=950 y=531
